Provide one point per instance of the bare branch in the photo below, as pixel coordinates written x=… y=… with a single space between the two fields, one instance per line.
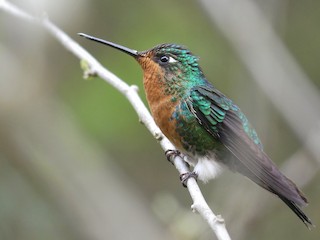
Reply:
x=199 y=204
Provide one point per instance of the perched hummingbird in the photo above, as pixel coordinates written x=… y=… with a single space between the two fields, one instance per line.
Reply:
x=204 y=124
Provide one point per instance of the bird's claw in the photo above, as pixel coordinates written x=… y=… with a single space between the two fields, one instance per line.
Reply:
x=185 y=176
x=171 y=154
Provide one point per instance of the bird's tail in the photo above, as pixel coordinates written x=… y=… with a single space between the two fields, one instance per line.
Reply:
x=295 y=199
x=295 y=208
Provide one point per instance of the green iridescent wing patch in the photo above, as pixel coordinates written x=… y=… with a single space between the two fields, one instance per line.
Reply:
x=227 y=124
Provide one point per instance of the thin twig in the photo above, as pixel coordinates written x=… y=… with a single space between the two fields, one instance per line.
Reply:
x=199 y=204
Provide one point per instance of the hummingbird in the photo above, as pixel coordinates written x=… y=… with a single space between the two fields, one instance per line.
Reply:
x=207 y=127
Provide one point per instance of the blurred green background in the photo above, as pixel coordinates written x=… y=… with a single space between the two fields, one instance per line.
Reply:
x=77 y=164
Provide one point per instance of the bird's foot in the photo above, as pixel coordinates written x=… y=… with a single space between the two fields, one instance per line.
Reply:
x=171 y=154
x=185 y=176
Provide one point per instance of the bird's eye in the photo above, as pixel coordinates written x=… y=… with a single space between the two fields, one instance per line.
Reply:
x=166 y=59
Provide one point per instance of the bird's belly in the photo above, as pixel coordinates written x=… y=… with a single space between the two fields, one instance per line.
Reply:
x=194 y=139
x=182 y=128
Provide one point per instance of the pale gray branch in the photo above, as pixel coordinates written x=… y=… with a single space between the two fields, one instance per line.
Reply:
x=199 y=204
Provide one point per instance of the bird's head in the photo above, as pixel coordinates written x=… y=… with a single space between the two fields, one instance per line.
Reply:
x=171 y=61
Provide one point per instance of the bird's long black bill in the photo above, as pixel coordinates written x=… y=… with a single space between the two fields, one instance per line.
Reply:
x=129 y=51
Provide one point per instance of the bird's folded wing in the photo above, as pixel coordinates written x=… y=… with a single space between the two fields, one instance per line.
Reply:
x=225 y=122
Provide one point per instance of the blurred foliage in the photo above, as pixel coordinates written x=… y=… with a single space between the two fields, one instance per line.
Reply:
x=106 y=119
